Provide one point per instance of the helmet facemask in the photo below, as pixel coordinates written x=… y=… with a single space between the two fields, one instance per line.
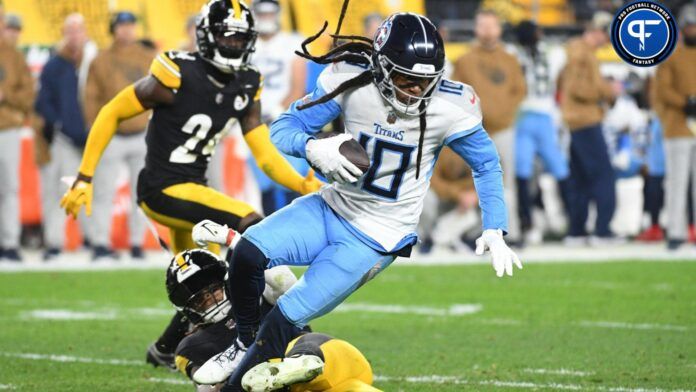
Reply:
x=409 y=104
x=196 y=286
x=208 y=306
x=225 y=42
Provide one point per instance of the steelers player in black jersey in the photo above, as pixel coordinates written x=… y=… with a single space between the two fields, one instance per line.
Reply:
x=195 y=98
x=195 y=283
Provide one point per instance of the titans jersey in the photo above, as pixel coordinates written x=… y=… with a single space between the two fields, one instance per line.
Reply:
x=386 y=203
x=274 y=58
x=540 y=71
x=182 y=136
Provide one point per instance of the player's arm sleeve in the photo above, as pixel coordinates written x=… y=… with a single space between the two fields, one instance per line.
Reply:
x=478 y=150
x=124 y=106
x=271 y=161
x=291 y=131
x=665 y=90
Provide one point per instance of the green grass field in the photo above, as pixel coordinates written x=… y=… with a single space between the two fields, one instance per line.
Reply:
x=622 y=327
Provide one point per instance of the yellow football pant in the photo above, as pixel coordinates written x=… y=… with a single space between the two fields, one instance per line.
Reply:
x=181 y=206
x=345 y=370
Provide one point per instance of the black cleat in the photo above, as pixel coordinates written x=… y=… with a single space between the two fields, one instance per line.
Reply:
x=157 y=358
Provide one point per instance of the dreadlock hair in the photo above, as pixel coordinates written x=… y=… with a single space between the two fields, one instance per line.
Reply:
x=357 y=50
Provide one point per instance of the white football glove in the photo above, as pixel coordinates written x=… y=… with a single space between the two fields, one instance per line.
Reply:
x=502 y=256
x=208 y=231
x=323 y=155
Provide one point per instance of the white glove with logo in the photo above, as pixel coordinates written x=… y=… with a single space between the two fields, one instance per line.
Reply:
x=502 y=256
x=323 y=154
x=208 y=231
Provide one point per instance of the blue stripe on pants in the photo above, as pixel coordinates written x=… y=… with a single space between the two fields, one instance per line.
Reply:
x=592 y=178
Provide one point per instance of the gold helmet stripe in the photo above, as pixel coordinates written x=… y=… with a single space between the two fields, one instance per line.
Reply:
x=237 y=9
x=180 y=261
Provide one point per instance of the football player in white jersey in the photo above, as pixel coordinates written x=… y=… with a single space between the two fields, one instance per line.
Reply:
x=283 y=72
x=396 y=104
x=537 y=126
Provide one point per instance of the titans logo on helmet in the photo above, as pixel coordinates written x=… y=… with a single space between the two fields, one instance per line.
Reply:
x=644 y=33
x=383 y=32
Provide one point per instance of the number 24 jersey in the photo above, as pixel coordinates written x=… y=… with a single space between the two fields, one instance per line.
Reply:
x=182 y=136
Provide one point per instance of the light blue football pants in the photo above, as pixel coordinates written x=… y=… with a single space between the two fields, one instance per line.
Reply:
x=309 y=233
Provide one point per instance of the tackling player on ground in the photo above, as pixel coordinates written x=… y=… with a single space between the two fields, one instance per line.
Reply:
x=195 y=98
x=313 y=362
x=396 y=104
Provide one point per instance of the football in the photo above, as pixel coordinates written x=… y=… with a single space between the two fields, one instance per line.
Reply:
x=350 y=149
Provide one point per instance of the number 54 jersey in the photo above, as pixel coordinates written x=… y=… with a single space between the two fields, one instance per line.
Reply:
x=386 y=203
x=181 y=137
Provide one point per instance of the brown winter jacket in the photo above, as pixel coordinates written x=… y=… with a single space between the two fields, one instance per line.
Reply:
x=16 y=88
x=583 y=90
x=111 y=71
x=675 y=80
x=497 y=77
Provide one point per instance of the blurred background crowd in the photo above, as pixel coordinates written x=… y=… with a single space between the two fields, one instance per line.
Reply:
x=595 y=152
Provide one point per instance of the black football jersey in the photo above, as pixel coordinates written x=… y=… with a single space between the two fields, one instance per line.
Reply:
x=181 y=137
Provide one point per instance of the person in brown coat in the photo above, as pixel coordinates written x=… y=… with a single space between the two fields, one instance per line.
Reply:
x=451 y=204
x=675 y=96
x=584 y=97
x=114 y=68
x=497 y=77
x=16 y=99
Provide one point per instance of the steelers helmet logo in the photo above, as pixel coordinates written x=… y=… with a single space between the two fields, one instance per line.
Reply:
x=644 y=33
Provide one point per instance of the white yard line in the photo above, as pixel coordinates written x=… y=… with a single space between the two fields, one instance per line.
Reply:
x=642 y=326
x=433 y=379
x=103 y=314
x=67 y=314
x=454 y=310
x=70 y=358
x=559 y=372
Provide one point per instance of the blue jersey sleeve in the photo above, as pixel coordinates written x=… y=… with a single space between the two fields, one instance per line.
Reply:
x=478 y=150
x=293 y=128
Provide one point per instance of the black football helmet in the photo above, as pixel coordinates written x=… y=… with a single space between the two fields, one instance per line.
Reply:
x=196 y=286
x=225 y=33
x=408 y=44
